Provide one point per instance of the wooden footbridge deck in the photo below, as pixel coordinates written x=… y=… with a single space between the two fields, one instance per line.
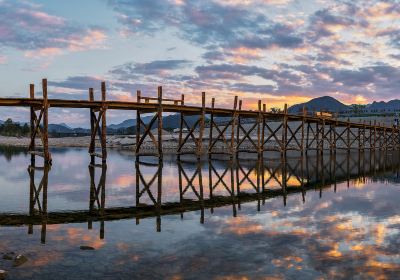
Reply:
x=302 y=132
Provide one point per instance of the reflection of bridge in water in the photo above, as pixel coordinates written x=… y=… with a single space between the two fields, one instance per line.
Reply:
x=205 y=185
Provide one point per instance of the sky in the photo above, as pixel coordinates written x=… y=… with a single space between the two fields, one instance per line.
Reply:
x=279 y=51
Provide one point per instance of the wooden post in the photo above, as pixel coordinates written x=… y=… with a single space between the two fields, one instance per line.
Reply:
x=263 y=129
x=307 y=137
x=334 y=135
x=160 y=125
x=138 y=99
x=47 y=156
x=374 y=135
x=181 y=122
x=303 y=119
x=32 y=96
x=202 y=123
x=234 y=120
x=284 y=133
x=103 y=123
x=210 y=134
x=348 y=135
x=385 y=138
x=259 y=122
x=321 y=146
x=92 y=128
x=317 y=142
x=238 y=129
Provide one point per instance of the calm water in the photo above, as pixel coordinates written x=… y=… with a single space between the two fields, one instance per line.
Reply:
x=320 y=218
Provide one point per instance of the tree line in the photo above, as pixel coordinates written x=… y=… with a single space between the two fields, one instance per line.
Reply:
x=10 y=128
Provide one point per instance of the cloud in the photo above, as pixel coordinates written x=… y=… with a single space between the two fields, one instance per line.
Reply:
x=208 y=23
x=24 y=26
x=157 y=67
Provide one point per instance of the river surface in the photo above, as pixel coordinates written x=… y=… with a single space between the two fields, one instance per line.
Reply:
x=322 y=217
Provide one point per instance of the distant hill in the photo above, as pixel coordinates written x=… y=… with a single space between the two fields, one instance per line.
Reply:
x=129 y=123
x=382 y=105
x=169 y=122
x=325 y=103
x=60 y=128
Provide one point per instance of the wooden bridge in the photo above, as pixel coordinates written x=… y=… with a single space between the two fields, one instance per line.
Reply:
x=285 y=131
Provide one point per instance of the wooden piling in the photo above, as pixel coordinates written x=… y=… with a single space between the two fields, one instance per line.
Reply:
x=239 y=123
x=199 y=145
x=32 y=128
x=263 y=128
x=160 y=122
x=259 y=123
x=210 y=134
x=138 y=97
x=103 y=123
x=303 y=122
x=47 y=156
x=234 y=123
x=284 y=132
x=92 y=127
x=181 y=122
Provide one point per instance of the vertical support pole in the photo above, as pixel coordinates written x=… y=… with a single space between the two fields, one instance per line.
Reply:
x=363 y=137
x=91 y=151
x=317 y=142
x=385 y=138
x=322 y=137
x=307 y=137
x=374 y=135
x=103 y=123
x=303 y=119
x=210 y=134
x=259 y=122
x=238 y=129
x=348 y=135
x=160 y=120
x=234 y=120
x=263 y=129
x=32 y=96
x=47 y=156
x=138 y=98
x=181 y=123
x=335 y=135
x=370 y=137
x=284 y=133
x=202 y=123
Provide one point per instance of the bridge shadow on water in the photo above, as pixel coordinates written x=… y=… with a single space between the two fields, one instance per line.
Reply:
x=205 y=186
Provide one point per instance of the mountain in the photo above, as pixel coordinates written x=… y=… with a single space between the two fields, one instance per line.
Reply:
x=173 y=121
x=325 y=103
x=129 y=123
x=60 y=128
x=382 y=105
x=169 y=122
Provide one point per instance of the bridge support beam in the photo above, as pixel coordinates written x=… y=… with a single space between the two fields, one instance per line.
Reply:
x=39 y=126
x=191 y=130
x=229 y=143
x=145 y=129
x=98 y=126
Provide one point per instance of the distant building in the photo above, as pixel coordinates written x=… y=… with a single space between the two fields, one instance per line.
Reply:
x=324 y=114
x=184 y=130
